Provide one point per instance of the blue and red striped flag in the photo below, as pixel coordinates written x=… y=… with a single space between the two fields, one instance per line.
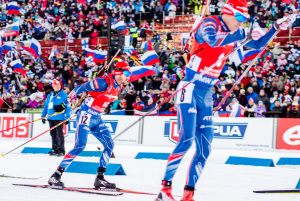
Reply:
x=33 y=47
x=13 y=9
x=98 y=56
x=54 y=52
x=147 y=45
x=12 y=29
x=150 y=58
x=141 y=71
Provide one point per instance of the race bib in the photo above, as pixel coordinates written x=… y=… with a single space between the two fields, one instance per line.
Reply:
x=186 y=94
x=89 y=101
x=85 y=118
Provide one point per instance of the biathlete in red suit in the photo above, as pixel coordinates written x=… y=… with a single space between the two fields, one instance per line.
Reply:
x=215 y=37
x=101 y=92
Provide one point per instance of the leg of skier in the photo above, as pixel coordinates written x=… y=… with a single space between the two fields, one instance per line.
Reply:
x=102 y=133
x=203 y=139
x=187 y=114
x=80 y=143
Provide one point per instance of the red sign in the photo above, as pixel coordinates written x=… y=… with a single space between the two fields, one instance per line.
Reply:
x=19 y=132
x=173 y=136
x=288 y=134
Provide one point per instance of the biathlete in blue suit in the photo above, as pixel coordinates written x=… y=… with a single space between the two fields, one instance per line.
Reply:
x=215 y=37
x=101 y=92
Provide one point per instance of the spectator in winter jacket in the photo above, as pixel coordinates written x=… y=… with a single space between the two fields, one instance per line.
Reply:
x=275 y=98
x=150 y=105
x=138 y=104
x=250 y=107
x=165 y=106
x=277 y=109
x=264 y=98
x=251 y=94
x=260 y=110
x=242 y=98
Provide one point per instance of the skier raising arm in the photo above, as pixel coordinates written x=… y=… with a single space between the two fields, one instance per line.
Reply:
x=215 y=37
x=101 y=92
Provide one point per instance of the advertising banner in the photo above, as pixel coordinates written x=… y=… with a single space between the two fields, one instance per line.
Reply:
x=115 y=124
x=288 y=134
x=9 y=120
x=232 y=133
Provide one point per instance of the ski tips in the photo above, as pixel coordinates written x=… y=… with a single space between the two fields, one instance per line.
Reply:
x=2 y=155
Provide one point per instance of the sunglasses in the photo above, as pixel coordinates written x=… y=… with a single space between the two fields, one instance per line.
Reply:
x=127 y=73
x=240 y=17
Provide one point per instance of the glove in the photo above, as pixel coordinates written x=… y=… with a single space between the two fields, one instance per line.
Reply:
x=59 y=108
x=285 y=22
x=44 y=121
x=66 y=123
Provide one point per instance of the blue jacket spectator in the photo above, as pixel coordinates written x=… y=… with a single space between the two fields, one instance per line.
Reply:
x=251 y=94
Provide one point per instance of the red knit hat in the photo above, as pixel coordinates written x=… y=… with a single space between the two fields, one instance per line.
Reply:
x=233 y=6
x=120 y=67
x=55 y=82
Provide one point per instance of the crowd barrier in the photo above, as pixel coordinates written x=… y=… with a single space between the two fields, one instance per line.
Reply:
x=229 y=133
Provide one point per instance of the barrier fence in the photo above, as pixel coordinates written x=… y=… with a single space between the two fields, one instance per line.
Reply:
x=229 y=133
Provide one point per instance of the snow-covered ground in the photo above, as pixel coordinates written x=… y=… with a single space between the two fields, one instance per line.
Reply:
x=219 y=182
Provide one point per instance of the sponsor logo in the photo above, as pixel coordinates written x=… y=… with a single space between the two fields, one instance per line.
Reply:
x=205 y=79
x=110 y=96
x=230 y=130
x=208 y=118
x=93 y=112
x=86 y=128
x=110 y=124
x=242 y=8
x=19 y=132
x=292 y=136
x=97 y=108
x=92 y=86
x=221 y=130
x=96 y=84
x=192 y=110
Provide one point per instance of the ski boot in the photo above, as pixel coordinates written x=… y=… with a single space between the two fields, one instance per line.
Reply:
x=52 y=153
x=165 y=193
x=188 y=194
x=100 y=182
x=55 y=178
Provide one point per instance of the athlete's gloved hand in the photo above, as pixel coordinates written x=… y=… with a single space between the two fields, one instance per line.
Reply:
x=285 y=22
x=59 y=108
x=257 y=33
x=44 y=121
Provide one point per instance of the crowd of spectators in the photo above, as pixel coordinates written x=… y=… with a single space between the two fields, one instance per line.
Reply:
x=271 y=88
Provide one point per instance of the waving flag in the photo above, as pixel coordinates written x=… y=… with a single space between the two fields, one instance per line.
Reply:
x=11 y=29
x=85 y=43
x=89 y=60
x=118 y=25
x=150 y=58
x=147 y=45
x=185 y=42
x=84 y=2
x=33 y=47
x=98 y=56
x=141 y=71
x=13 y=9
x=241 y=56
x=8 y=46
x=17 y=65
x=54 y=52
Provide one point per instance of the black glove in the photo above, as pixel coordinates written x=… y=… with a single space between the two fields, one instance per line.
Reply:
x=59 y=108
x=66 y=123
x=44 y=121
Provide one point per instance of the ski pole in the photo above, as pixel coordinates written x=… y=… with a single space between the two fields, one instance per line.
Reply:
x=168 y=98
x=38 y=135
x=246 y=71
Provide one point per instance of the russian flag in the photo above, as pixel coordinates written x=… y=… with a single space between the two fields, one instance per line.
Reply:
x=118 y=25
x=11 y=29
x=33 y=47
x=8 y=46
x=141 y=71
x=241 y=56
x=13 y=9
x=237 y=111
x=54 y=52
x=98 y=56
x=150 y=58
x=185 y=42
x=147 y=45
x=17 y=65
